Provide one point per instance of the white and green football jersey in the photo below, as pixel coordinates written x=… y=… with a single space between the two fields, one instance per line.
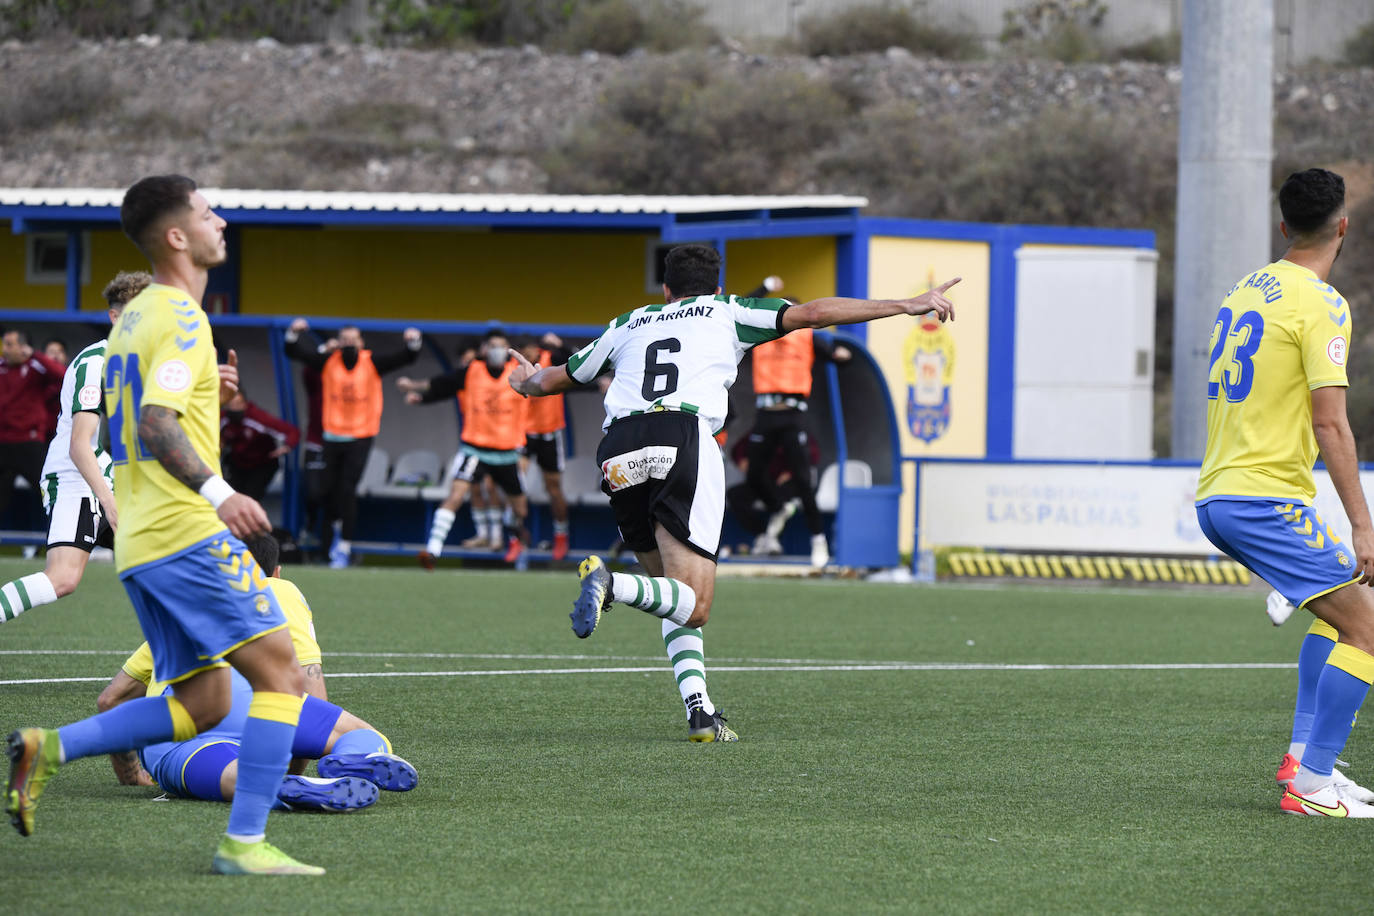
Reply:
x=681 y=355
x=82 y=391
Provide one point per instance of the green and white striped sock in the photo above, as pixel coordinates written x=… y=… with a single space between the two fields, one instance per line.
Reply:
x=686 y=651
x=663 y=597
x=18 y=596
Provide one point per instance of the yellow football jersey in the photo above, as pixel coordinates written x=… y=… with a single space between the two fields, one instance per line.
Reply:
x=299 y=620
x=1280 y=334
x=160 y=353
x=300 y=623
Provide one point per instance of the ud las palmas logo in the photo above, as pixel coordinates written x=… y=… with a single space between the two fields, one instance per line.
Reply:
x=928 y=355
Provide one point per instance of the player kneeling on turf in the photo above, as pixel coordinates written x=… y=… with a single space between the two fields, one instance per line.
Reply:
x=355 y=760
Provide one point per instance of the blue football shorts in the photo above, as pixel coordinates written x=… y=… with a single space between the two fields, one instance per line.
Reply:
x=200 y=604
x=169 y=764
x=1285 y=543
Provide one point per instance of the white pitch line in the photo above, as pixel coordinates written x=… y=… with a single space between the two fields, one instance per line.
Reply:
x=509 y=656
x=893 y=666
x=53 y=680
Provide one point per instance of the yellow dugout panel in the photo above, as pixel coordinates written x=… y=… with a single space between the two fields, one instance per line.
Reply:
x=530 y=277
x=110 y=252
x=806 y=265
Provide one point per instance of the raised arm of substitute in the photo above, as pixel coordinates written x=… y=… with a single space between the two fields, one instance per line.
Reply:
x=832 y=310
x=1331 y=426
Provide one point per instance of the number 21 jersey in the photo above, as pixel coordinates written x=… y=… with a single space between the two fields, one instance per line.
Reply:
x=682 y=355
x=1280 y=334
x=160 y=353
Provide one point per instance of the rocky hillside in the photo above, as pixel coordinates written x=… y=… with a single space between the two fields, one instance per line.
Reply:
x=265 y=115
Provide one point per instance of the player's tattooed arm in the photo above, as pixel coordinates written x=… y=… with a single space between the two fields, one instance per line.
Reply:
x=314 y=681
x=163 y=437
x=129 y=771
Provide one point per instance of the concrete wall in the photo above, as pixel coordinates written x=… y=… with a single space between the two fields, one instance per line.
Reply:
x=1305 y=29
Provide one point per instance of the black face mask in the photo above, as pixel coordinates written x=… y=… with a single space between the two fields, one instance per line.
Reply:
x=234 y=415
x=350 y=356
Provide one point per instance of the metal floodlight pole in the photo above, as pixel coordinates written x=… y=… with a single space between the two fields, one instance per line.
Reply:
x=1225 y=150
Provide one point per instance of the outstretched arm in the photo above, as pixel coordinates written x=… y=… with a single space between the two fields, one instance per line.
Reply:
x=163 y=437
x=832 y=310
x=299 y=350
x=388 y=362
x=530 y=381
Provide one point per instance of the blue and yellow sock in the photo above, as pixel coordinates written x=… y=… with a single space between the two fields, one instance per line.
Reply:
x=129 y=726
x=1321 y=638
x=362 y=741
x=263 y=757
x=1345 y=680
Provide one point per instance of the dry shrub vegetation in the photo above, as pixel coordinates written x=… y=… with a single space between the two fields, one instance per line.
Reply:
x=683 y=124
x=880 y=26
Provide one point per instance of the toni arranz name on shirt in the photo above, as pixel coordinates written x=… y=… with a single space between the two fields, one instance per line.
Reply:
x=691 y=311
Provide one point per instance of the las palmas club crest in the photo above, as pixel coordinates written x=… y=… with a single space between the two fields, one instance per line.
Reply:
x=928 y=355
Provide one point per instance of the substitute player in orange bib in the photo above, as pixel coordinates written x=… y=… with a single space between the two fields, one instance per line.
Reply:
x=494 y=422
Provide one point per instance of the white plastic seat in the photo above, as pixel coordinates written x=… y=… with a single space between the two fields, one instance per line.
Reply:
x=413 y=471
x=439 y=491
x=374 y=472
x=857 y=475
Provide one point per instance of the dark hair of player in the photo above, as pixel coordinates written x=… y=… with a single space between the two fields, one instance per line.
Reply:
x=149 y=203
x=495 y=332
x=266 y=551
x=125 y=285
x=1310 y=200
x=23 y=335
x=692 y=270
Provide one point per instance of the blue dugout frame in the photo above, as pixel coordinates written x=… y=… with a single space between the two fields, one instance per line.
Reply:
x=852 y=232
x=865 y=519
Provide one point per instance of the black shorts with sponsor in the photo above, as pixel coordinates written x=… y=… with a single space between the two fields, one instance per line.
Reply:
x=470 y=467
x=664 y=467
x=545 y=450
x=78 y=522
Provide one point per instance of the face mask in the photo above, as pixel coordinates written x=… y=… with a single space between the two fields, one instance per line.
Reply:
x=349 y=352
x=234 y=415
x=497 y=356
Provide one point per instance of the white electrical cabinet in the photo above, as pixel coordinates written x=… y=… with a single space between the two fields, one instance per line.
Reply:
x=1085 y=328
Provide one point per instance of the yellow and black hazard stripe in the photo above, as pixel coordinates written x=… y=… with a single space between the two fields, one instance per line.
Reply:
x=972 y=564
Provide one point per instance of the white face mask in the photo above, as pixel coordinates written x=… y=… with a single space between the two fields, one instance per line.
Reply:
x=497 y=356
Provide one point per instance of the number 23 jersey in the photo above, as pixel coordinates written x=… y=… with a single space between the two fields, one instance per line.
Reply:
x=1280 y=334
x=160 y=353
x=681 y=355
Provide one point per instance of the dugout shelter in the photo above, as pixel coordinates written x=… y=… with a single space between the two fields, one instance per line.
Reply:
x=455 y=264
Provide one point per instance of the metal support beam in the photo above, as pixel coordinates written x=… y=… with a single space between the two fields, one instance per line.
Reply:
x=74 y=259
x=1224 y=159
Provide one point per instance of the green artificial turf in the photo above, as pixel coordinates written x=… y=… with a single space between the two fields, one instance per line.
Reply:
x=851 y=790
